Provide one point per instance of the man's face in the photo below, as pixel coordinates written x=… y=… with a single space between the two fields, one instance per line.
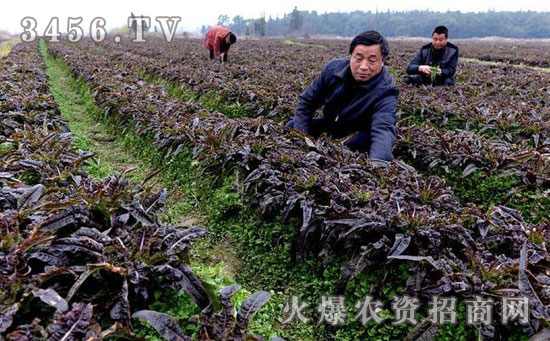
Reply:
x=366 y=62
x=227 y=40
x=439 y=41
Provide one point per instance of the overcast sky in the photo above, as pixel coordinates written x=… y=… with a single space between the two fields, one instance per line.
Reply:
x=195 y=13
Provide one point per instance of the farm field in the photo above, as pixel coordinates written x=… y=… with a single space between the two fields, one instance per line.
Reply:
x=148 y=193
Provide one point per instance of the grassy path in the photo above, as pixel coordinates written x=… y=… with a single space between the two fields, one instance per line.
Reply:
x=79 y=112
x=6 y=46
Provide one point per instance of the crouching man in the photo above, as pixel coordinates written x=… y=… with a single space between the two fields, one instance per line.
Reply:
x=436 y=62
x=359 y=98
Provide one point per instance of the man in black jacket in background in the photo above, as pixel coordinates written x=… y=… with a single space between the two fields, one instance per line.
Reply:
x=359 y=99
x=438 y=53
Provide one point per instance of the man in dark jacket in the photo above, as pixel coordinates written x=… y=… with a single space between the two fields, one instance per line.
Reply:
x=359 y=97
x=439 y=53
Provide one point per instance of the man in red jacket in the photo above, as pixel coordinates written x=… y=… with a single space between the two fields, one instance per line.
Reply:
x=218 y=40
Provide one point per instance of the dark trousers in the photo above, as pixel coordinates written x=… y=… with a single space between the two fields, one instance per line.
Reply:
x=419 y=79
x=212 y=55
x=359 y=141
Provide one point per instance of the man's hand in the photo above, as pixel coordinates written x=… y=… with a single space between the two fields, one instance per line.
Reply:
x=425 y=69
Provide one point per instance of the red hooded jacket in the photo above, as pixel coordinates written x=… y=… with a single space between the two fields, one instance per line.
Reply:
x=215 y=38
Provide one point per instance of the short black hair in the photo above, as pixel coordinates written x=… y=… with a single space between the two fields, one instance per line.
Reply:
x=232 y=38
x=370 y=38
x=441 y=29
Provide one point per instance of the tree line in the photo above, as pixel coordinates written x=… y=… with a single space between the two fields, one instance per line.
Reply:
x=521 y=24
